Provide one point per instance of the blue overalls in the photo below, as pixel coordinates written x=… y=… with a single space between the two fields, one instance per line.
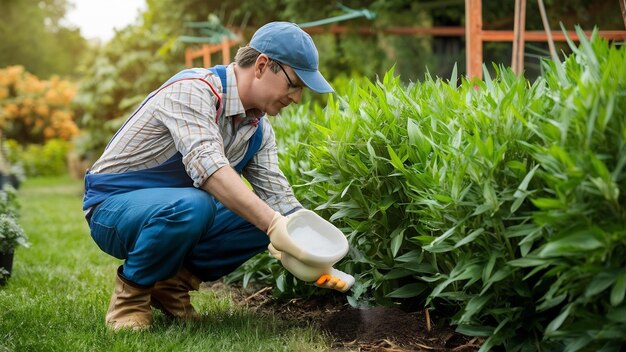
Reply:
x=157 y=221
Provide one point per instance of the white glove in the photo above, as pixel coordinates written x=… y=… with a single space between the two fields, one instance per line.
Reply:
x=280 y=242
x=274 y=252
x=280 y=239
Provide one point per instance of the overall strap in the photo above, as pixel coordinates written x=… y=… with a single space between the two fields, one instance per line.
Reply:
x=255 y=142
x=253 y=147
x=220 y=71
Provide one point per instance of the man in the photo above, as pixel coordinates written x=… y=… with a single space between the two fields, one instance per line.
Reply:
x=167 y=196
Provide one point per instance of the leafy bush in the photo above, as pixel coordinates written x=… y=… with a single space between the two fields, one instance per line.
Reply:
x=34 y=110
x=49 y=159
x=9 y=204
x=496 y=202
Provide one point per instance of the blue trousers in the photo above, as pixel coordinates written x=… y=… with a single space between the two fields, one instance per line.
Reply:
x=158 y=230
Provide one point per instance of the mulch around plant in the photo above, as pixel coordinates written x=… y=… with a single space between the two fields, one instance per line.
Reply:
x=372 y=329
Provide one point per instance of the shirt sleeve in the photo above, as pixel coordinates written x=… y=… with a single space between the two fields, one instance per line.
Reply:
x=188 y=108
x=266 y=178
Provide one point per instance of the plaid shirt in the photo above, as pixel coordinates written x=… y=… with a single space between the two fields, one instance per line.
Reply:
x=182 y=118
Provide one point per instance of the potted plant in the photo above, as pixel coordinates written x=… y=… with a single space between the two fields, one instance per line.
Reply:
x=11 y=170
x=11 y=233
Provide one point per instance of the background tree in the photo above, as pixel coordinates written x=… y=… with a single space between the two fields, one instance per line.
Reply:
x=33 y=37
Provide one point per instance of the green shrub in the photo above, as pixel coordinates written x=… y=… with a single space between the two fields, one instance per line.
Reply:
x=498 y=203
x=9 y=204
x=11 y=233
x=49 y=159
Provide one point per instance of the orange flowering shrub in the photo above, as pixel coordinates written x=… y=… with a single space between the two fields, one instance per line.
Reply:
x=34 y=110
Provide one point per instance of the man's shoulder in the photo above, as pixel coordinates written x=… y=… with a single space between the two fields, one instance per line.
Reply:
x=199 y=76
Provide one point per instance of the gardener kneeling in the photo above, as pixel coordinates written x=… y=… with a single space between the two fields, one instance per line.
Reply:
x=166 y=195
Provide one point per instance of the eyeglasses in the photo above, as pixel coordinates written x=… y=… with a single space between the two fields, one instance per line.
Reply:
x=292 y=88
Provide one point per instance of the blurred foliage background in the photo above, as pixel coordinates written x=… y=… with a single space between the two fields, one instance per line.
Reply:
x=31 y=35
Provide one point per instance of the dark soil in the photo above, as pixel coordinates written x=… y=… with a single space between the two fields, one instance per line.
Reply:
x=373 y=329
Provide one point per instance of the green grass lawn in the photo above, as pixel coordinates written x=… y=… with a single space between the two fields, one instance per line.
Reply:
x=58 y=295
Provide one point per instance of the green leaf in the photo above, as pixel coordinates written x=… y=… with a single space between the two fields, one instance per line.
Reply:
x=397 y=273
x=453 y=77
x=443 y=237
x=325 y=130
x=551 y=302
x=424 y=240
x=387 y=202
x=558 y=321
x=499 y=275
x=482 y=209
x=462 y=271
x=443 y=198
x=246 y=278
x=599 y=167
x=578 y=343
x=371 y=151
x=528 y=262
x=475 y=330
x=520 y=194
x=417 y=267
x=488 y=268
x=346 y=212
x=469 y=238
x=487 y=79
x=413 y=255
x=581 y=242
x=600 y=282
x=516 y=165
x=280 y=282
x=495 y=337
x=474 y=307
x=619 y=289
x=409 y=290
x=547 y=203
x=345 y=190
x=396 y=241
x=395 y=160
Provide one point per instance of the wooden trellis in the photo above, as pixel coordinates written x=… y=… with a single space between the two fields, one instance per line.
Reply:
x=212 y=38
x=206 y=50
x=476 y=36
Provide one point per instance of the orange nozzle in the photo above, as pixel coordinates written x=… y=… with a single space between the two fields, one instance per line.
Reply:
x=322 y=279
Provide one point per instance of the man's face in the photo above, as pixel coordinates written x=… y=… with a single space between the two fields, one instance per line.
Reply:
x=279 y=88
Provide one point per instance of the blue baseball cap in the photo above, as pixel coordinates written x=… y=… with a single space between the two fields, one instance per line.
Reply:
x=288 y=44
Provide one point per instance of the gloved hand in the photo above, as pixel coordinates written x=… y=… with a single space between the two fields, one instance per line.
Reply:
x=280 y=242
x=274 y=252
x=280 y=239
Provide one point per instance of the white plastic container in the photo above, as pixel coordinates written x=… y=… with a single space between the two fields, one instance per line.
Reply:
x=320 y=245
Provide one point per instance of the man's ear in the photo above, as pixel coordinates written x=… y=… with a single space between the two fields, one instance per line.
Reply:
x=261 y=65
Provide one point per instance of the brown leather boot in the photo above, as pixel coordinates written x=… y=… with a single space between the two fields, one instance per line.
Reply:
x=172 y=295
x=130 y=305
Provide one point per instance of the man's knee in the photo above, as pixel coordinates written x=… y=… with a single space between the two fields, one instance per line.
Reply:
x=193 y=211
